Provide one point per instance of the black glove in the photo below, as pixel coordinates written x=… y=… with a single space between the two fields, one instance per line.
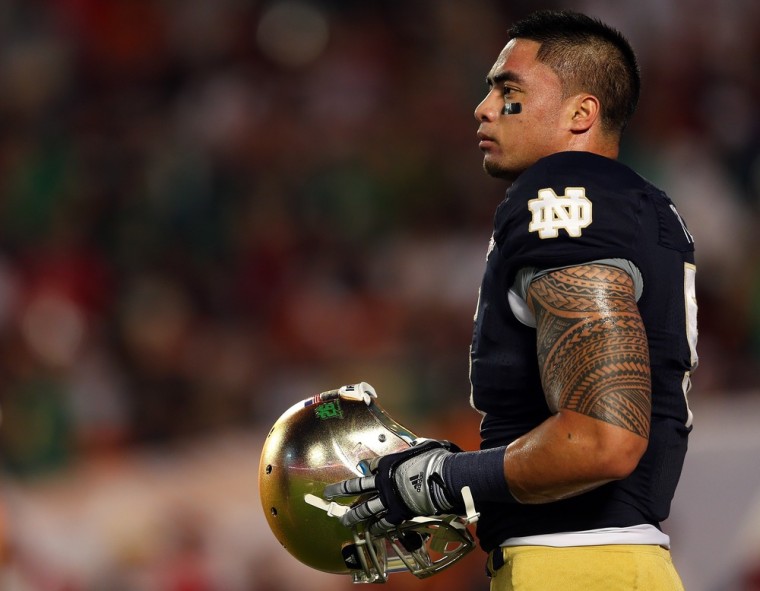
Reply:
x=406 y=483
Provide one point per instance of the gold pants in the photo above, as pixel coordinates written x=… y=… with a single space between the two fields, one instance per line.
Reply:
x=586 y=568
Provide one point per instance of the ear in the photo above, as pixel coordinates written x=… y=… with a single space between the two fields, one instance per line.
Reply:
x=584 y=111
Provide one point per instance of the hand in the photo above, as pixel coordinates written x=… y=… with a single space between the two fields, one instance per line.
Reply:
x=406 y=483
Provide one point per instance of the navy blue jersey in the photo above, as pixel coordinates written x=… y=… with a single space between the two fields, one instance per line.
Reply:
x=569 y=209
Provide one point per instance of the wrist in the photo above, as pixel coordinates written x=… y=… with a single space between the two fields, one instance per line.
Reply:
x=482 y=471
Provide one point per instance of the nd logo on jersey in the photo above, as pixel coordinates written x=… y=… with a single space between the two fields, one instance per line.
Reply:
x=551 y=212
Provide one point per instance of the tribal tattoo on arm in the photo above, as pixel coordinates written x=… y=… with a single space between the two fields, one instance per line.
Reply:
x=592 y=345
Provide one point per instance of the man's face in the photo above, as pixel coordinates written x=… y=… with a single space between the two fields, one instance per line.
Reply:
x=512 y=143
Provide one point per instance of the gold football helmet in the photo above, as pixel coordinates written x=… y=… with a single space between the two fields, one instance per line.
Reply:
x=329 y=438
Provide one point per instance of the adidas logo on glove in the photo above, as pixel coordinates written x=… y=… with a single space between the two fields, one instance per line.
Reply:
x=416 y=481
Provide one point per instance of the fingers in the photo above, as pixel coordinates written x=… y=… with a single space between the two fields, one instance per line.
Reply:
x=363 y=512
x=381 y=526
x=352 y=487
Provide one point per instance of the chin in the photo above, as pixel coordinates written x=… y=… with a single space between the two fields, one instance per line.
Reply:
x=499 y=172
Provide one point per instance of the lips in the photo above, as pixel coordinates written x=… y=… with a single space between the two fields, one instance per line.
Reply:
x=485 y=141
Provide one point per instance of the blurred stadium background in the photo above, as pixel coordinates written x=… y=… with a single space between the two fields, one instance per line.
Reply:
x=210 y=210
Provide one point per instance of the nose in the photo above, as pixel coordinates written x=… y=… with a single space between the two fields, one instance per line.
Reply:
x=487 y=110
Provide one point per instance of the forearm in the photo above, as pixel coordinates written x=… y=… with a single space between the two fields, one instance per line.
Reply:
x=566 y=455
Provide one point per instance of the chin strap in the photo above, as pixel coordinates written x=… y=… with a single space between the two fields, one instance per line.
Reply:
x=332 y=508
x=470 y=514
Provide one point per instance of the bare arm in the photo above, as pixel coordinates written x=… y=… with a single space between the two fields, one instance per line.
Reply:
x=594 y=362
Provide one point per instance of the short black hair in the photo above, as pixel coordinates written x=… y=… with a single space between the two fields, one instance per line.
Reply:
x=587 y=55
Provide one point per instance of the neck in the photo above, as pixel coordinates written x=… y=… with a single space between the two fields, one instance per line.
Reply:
x=601 y=144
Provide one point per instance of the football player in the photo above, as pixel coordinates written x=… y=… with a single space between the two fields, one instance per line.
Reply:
x=584 y=338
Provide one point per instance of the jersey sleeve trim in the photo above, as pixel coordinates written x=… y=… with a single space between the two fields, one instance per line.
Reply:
x=518 y=293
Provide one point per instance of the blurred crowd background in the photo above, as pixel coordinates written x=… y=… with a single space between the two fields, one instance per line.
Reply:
x=210 y=210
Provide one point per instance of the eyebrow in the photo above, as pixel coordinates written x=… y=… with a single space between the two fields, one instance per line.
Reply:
x=506 y=76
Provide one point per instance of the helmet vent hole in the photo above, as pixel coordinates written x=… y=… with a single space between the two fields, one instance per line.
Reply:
x=273 y=511
x=269 y=469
